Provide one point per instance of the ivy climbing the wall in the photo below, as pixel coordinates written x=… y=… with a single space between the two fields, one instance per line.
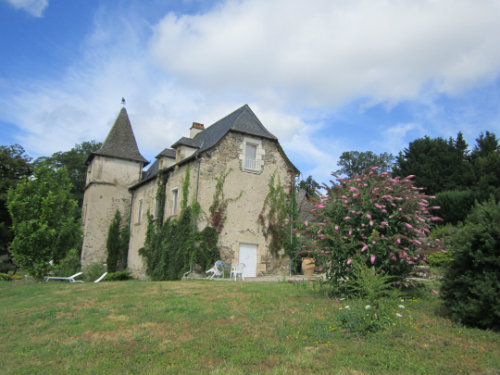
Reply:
x=218 y=208
x=117 y=244
x=278 y=212
x=173 y=246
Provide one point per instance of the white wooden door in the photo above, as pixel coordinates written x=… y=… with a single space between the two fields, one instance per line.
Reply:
x=248 y=256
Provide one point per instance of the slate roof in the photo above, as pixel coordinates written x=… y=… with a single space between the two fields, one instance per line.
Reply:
x=120 y=142
x=168 y=153
x=242 y=120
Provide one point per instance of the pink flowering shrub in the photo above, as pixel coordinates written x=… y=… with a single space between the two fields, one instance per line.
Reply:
x=381 y=221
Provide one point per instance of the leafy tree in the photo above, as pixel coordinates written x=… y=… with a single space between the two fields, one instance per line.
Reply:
x=14 y=167
x=438 y=164
x=375 y=219
x=309 y=186
x=354 y=163
x=74 y=161
x=485 y=162
x=471 y=284
x=43 y=220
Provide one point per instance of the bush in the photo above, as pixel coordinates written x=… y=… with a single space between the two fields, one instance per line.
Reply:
x=118 y=276
x=5 y=277
x=471 y=283
x=381 y=221
x=69 y=265
x=94 y=271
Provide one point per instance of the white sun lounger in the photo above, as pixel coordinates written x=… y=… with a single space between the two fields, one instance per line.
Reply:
x=71 y=278
x=100 y=278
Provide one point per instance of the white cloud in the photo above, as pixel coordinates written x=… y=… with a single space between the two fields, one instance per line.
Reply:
x=324 y=52
x=285 y=59
x=33 y=7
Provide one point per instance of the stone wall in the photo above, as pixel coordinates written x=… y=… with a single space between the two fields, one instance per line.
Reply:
x=241 y=226
x=108 y=180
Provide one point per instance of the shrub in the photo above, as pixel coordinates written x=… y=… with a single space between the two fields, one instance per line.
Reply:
x=118 y=276
x=5 y=277
x=471 y=283
x=117 y=244
x=69 y=265
x=381 y=221
x=94 y=271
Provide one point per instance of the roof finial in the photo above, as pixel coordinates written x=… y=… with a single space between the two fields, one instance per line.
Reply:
x=123 y=101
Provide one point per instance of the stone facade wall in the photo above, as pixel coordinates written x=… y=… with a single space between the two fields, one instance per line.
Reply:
x=108 y=180
x=144 y=201
x=241 y=226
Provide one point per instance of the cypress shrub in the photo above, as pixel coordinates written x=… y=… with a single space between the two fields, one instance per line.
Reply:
x=471 y=285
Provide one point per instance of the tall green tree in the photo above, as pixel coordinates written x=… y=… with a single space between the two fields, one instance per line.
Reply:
x=14 y=167
x=355 y=163
x=485 y=163
x=74 y=161
x=43 y=220
x=438 y=164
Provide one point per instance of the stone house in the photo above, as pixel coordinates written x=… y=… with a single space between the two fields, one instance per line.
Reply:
x=238 y=145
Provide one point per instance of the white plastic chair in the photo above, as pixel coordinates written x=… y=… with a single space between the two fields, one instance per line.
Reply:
x=238 y=270
x=71 y=278
x=217 y=270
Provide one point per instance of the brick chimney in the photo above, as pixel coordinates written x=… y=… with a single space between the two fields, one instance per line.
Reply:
x=195 y=129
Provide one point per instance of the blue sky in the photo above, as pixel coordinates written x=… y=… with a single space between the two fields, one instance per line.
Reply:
x=325 y=76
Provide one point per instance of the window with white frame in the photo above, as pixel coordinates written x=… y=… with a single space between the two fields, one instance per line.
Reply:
x=250 y=156
x=175 y=194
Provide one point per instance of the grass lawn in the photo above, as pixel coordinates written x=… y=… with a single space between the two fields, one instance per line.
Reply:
x=218 y=327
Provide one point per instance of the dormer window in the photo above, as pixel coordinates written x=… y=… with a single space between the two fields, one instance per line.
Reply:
x=251 y=155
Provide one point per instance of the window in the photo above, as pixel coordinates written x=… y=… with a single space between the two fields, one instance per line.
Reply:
x=139 y=212
x=251 y=156
x=175 y=194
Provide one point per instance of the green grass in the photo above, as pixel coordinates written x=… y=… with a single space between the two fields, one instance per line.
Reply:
x=135 y=327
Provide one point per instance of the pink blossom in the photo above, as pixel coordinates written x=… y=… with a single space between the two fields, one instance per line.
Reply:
x=368 y=216
x=349 y=261
x=436 y=218
x=408 y=226
x=347 y=218
x=353 y=189
x=372 y=258
x=336 y=227
x=364 y=247
x=320 y=205
x=434 y=291
x=371 y=223
x=398 y=240
x=306 y=223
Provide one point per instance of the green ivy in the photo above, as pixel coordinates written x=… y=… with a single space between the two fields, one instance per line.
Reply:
x=278 y=211
x=173 y=246
x=218 y=208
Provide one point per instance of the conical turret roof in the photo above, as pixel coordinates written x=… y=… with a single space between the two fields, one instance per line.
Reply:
x=120 y=142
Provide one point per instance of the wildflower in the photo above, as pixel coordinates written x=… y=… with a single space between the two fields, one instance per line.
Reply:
x=408 y=226
x=348 y=307
x=401 y=306
x=336 y=227
x=399 y=315
x=367 y=307
x=372 y=258
x=349 y=261
x=434 y=291
x=306 y=223
x=364 y=247
x=368 y=216
x=347 y=218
